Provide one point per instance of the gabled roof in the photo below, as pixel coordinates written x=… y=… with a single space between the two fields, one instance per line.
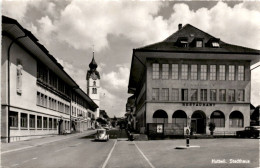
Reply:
x=190 y=32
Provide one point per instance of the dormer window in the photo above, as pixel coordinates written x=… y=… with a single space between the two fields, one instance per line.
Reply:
x=182 y=42
x=199 y=43
x=215 y=44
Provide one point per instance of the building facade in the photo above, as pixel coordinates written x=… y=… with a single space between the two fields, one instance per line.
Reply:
x=189 y=80
x=38 y=97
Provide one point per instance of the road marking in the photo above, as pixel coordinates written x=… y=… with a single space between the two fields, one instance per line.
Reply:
x=109 y=155
x=78 y=144
x=60 y=149
x=144 y=156
x=41 y=144
x=14 y=165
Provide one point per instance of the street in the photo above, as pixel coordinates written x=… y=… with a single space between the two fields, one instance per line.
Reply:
x=82 y=151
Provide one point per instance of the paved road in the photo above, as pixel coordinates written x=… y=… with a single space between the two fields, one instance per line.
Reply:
x=78 y=152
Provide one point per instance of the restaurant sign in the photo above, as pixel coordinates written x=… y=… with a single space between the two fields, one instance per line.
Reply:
x=197 y=104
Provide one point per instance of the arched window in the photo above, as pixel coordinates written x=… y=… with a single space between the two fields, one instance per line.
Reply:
x=160 y=116
x=94 y=90
x=236 y=119
x=218 y=118
x=94 y=83
x=179 y=118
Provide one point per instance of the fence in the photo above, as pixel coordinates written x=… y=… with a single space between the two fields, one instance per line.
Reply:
x=164 y=129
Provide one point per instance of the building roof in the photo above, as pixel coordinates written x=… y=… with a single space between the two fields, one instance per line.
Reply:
x=192 y=33
x=12 y=29
x=171 y=48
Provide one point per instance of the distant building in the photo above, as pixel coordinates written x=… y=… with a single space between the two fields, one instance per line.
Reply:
x=38 y=97
x=93 y=84
x=189 y=80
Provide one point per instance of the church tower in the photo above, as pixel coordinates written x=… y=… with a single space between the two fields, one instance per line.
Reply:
x=93 y=84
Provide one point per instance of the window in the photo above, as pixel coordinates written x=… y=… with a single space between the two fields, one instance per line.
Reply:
x=231 y=95
x=222 y=95
x=38 y=98
x=194 y=94
x=203 y=94
x=94 y=83
x=50 y=123
x=215 y=44
x=231 y=72
x=13 y=119
x=39 y=122
x=45 y=122
x=155 y=95
x=241 y=71
x=184 y=94
x=45 y=101
x=175 y=94
x=222 y=72
x=165 y=94
x=155 y=71
x=213 y=70
x=198 y=43
x=165 y=71
x=179 y=119
x=23 y=120
x=42 y=73
x=236 y=119
x=240 y=95
x=213 y=95
x=218 y=118
x=203 y=72
x=194 y=72
x=32 y=121
x=184 y=71
x=55 y=123
x=94 y=90
x=160 y=116
x=175 y=71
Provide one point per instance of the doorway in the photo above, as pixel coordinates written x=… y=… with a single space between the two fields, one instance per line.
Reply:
x=198 y=122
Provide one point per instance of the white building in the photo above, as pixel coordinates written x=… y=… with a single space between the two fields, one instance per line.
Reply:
x=38 y=97
x=93 y=84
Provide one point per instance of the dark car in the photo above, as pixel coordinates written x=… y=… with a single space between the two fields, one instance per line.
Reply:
x=252 y=131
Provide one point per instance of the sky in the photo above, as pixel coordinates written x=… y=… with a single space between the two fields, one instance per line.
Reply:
x=69 y=30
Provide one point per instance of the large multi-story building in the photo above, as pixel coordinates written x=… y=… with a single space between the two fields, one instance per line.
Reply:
x=189 y=80
x=38 y=97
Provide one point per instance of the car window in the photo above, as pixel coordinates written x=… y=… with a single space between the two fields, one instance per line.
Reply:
x=101 y=131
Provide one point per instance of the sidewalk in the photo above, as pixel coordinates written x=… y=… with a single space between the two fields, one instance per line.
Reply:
x=20 y=145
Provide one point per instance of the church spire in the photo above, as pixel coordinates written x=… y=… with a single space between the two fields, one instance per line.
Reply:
x=93 y=65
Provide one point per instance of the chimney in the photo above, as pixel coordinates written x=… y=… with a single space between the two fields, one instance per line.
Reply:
x=180 y=26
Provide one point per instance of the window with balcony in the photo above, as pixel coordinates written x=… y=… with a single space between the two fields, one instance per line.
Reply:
x=213 y=95
x=194 y=94
x=203 y=94
x=231 y=95
x=165 y=94
x=222 y=95
x=155 y=94
x=175 y=94
x=184 y=94
x=241 y=95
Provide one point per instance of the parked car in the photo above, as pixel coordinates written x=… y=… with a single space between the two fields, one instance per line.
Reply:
x=252 y=131
x=101 y=135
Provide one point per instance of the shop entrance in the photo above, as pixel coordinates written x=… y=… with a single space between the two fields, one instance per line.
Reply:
x=198 y=122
